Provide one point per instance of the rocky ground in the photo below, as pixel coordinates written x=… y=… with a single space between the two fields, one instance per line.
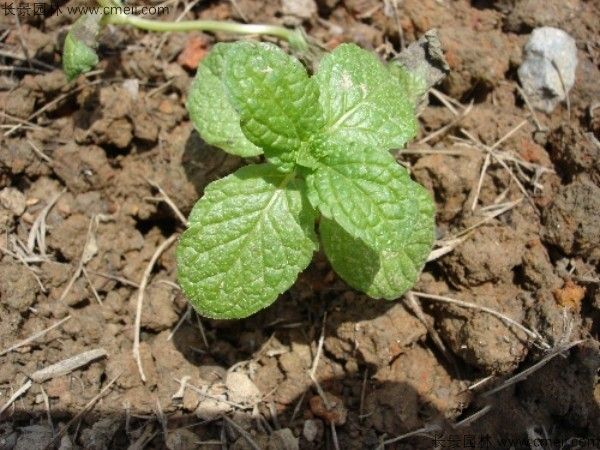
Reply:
x=85 y=171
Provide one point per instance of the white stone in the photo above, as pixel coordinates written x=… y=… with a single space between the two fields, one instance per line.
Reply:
x=303 y=9
x=548 y=69
x=310 y=430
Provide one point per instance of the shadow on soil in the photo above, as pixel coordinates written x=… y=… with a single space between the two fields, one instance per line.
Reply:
x=204 y=163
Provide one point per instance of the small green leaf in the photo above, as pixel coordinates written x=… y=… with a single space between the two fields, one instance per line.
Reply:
x=250 y=236
x=79 y=54
x=210 y=108
x=378 y=224
x=278 y=102
x=362 y=101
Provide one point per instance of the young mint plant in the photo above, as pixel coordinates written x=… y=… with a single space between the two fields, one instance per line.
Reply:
x=326 y=140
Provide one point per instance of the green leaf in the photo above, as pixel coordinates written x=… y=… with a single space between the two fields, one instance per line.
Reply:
x=250 y=236
x=413 y=85
x=357 y=187
x=79 y=54
x=378 y=224
x=387 y=273
x=277 y=101
x=362 y=101
x=210 y=108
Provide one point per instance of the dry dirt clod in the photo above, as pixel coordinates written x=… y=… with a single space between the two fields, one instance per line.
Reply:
x=417 y=375
x=333 y=412
x=571 y=221
x=378 y=338
x=21 y=102
x=100 y=435
x=13 y=200
x=18 y=288
x=6 y=224
x=528 y=14
x=34 y=437
x=568 y=388
x=241 y=389
x=69 y=236
x=393 y=408
x=450 y=179
x=8 y=437
x=33 y=337
x=482 y=340
x=538 y=271
x=82 y=168
x=472 y=63
x=160 y=310
x=489 y=255
x=181 y=439
x=570 y=295
x=17 y=158
x=575 y=152
x=196 y=48
x=283 y=439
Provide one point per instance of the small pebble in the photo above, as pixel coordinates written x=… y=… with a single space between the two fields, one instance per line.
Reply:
x=548 y=69
x=13 y=200
x=310 y=430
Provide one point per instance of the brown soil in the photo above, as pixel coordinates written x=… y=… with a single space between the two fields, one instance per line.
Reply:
x=100 y=148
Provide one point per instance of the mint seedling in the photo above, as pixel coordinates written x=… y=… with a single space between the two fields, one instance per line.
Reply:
x=326 y=140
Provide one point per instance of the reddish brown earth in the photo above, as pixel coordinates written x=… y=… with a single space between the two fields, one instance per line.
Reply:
x=99 y=147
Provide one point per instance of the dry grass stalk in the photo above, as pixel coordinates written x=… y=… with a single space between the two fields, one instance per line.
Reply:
x=67 y=365
x=53 y=102
x=140 y=302
x=33 y=337
x=242 y=433
x=532 y=334
x=24 y=388
x=89 y=250
x=440 y=131
x=168 y=201
x=449 y=243
x=416 y=309
x=78 y=416
x=315 y=364
x=525 y=373
x=38 y=152
x=473 y=417
x=334 y=437
x=420 y=432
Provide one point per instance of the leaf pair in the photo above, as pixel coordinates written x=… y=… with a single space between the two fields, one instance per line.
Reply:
x=326 y=139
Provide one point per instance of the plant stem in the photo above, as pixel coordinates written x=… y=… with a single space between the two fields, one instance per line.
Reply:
x=294 y=37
